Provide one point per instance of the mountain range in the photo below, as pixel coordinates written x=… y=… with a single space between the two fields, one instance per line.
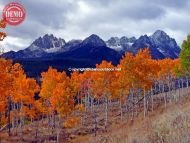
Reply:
x=56 y=52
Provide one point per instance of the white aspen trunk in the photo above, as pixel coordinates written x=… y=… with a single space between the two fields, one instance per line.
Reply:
x=126 y=107
x=85 y=102
x=95 y=121
x=78 y=101
x=144 y=103
x=132 y=113
x=9 y=115
x=13 y=118
x=17 y=117
x=121 y=109
x=21 y=121
x=179 y=88
x=81 y=98
x=165 y=95
x=165 y=99
x=152 y=98
x=98 y=101
x=106 y=113
x=88 y=97
x=88 y=100
x=169 y=91
x=182 y=87
x=161 y=87
x=58 y=130
x=162 y=92
x=91 y=102
x=187 y=82
x=51 y=120
x=94 y=103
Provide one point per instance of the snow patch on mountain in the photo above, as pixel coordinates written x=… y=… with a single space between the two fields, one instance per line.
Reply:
x=120 y=44
x=33 y=47
x=53 y=50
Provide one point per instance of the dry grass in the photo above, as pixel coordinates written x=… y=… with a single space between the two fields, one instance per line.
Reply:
x=165 y=125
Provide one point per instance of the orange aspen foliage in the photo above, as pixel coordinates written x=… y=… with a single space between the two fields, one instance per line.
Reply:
x=62 y=98
x=138 y=71
x=145 y=69
x=15 y=88
x=56 y=92
x=8 y=72
x=24 y=90
x=127 y=75
x=102 y=80
x=75 y=82
x=49 y=82
x=167 y=69
x=2 y=25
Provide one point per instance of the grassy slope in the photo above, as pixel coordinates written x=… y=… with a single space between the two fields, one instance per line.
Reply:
x=164 y=125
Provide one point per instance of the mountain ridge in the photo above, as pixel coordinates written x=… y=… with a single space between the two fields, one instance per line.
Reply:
x=48 y=51
x=158 y=42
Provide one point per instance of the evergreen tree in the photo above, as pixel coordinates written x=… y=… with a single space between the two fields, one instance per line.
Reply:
x=185 y=56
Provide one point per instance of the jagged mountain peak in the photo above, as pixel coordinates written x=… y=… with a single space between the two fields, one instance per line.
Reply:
x=143 y=39
x=93 y=40
x=160 y=35
x=48 y=41
x=49 y=36
x=114 y=38
x=114 y=41
x=124 y=38
x=159 y=43
x=132 y=39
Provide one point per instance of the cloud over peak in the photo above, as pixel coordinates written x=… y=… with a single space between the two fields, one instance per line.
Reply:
x=71 y=19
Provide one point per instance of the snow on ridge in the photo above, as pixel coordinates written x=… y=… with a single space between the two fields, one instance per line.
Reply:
x=33 y=47
x=53 y=50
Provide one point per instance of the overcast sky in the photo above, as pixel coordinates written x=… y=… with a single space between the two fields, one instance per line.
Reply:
x=77 y=19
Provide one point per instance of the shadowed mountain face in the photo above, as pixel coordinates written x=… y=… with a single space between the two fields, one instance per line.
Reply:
x=51 y=51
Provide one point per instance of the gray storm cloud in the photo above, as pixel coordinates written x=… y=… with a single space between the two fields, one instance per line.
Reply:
x=77 y=19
